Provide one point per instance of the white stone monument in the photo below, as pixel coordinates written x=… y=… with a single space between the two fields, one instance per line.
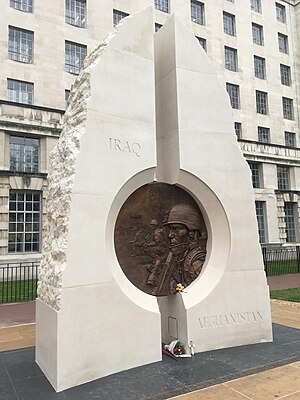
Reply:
x=91 y=320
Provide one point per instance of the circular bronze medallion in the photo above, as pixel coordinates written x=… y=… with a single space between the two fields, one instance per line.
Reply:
x=160 y=239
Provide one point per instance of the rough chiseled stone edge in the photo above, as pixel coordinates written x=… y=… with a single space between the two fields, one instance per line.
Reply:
x=60 y=181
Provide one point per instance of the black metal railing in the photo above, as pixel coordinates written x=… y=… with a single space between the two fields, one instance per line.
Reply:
x=280 y=261
x=18 y=282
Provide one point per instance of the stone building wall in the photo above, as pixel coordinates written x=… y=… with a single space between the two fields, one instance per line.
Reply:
x=47 y=71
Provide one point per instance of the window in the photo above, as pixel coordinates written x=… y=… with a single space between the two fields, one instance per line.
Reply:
x=260 y=216
x=259 y=67
x=230 y=58
x=197 y=12
x=238 y=129
x=234 y=94
x=229 y=24
x=257 y=34
x=24 y=221
x=290 y=226
x=20 y=45
x=290 y=139
x=22 y=5
x=285 y=74
x=202 y=42
x=162 y=5
x=283 y=43
x=19 y=92
x=263 y=134
x=76 y=12
x=283 y=177
x=67 y=95
x=74 y=56
x=287 y=108
x=280 y=13
x=256 y=5
x=118 y=16
x=255 y=172
x=157 y=27
x=261 y=102
x=24 y=154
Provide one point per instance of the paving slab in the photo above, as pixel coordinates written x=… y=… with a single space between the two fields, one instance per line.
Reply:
x=17 y=337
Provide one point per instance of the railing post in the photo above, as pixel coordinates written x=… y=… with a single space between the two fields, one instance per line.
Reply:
x=264 y=253
x=298 y=257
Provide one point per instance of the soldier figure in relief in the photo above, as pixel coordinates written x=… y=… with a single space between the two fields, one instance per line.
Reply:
x=187 y=249
x=155 y=248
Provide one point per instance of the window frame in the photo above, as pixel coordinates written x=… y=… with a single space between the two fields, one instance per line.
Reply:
x=290 y=221
x=22 y=5
x=262 y=106
x=233 y=91
x=229 y=24
x=118 y=15
x=73 y=13
x=230 y=58
x=197 y=12
x=24 y=154
x=67 y=97
x=259 y=69
x=17 y=96
x=283 y=43
x=290 y=139
x=77 y=55
x=162 y=5
x=288 y=108
x=263 y=134
x=25 y=220
x=285 y=75
x=202 y=41
x=257 y=34
x=260 y=210
x=281 y=17
x=20 y=44
x=256 y=177
x=255 y=5
x=283 y=177
x=238 y=129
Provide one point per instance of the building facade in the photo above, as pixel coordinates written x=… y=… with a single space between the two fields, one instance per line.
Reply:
x=253 y=45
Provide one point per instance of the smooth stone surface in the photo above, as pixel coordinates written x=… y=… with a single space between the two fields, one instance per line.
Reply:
x=91 y=321
x=228 y=304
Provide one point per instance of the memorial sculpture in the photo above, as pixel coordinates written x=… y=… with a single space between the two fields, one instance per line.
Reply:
x=168 y=251
x=151 y=232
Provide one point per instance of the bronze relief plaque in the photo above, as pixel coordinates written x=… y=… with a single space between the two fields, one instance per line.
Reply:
x=160 y=239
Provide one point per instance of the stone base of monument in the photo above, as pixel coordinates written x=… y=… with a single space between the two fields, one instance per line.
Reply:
x=86 y=340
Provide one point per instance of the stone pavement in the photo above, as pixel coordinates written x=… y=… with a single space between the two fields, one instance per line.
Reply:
x=260 y=371
x=278 y=383
x=288 y=281
x=17 y=326
x=17 y=314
